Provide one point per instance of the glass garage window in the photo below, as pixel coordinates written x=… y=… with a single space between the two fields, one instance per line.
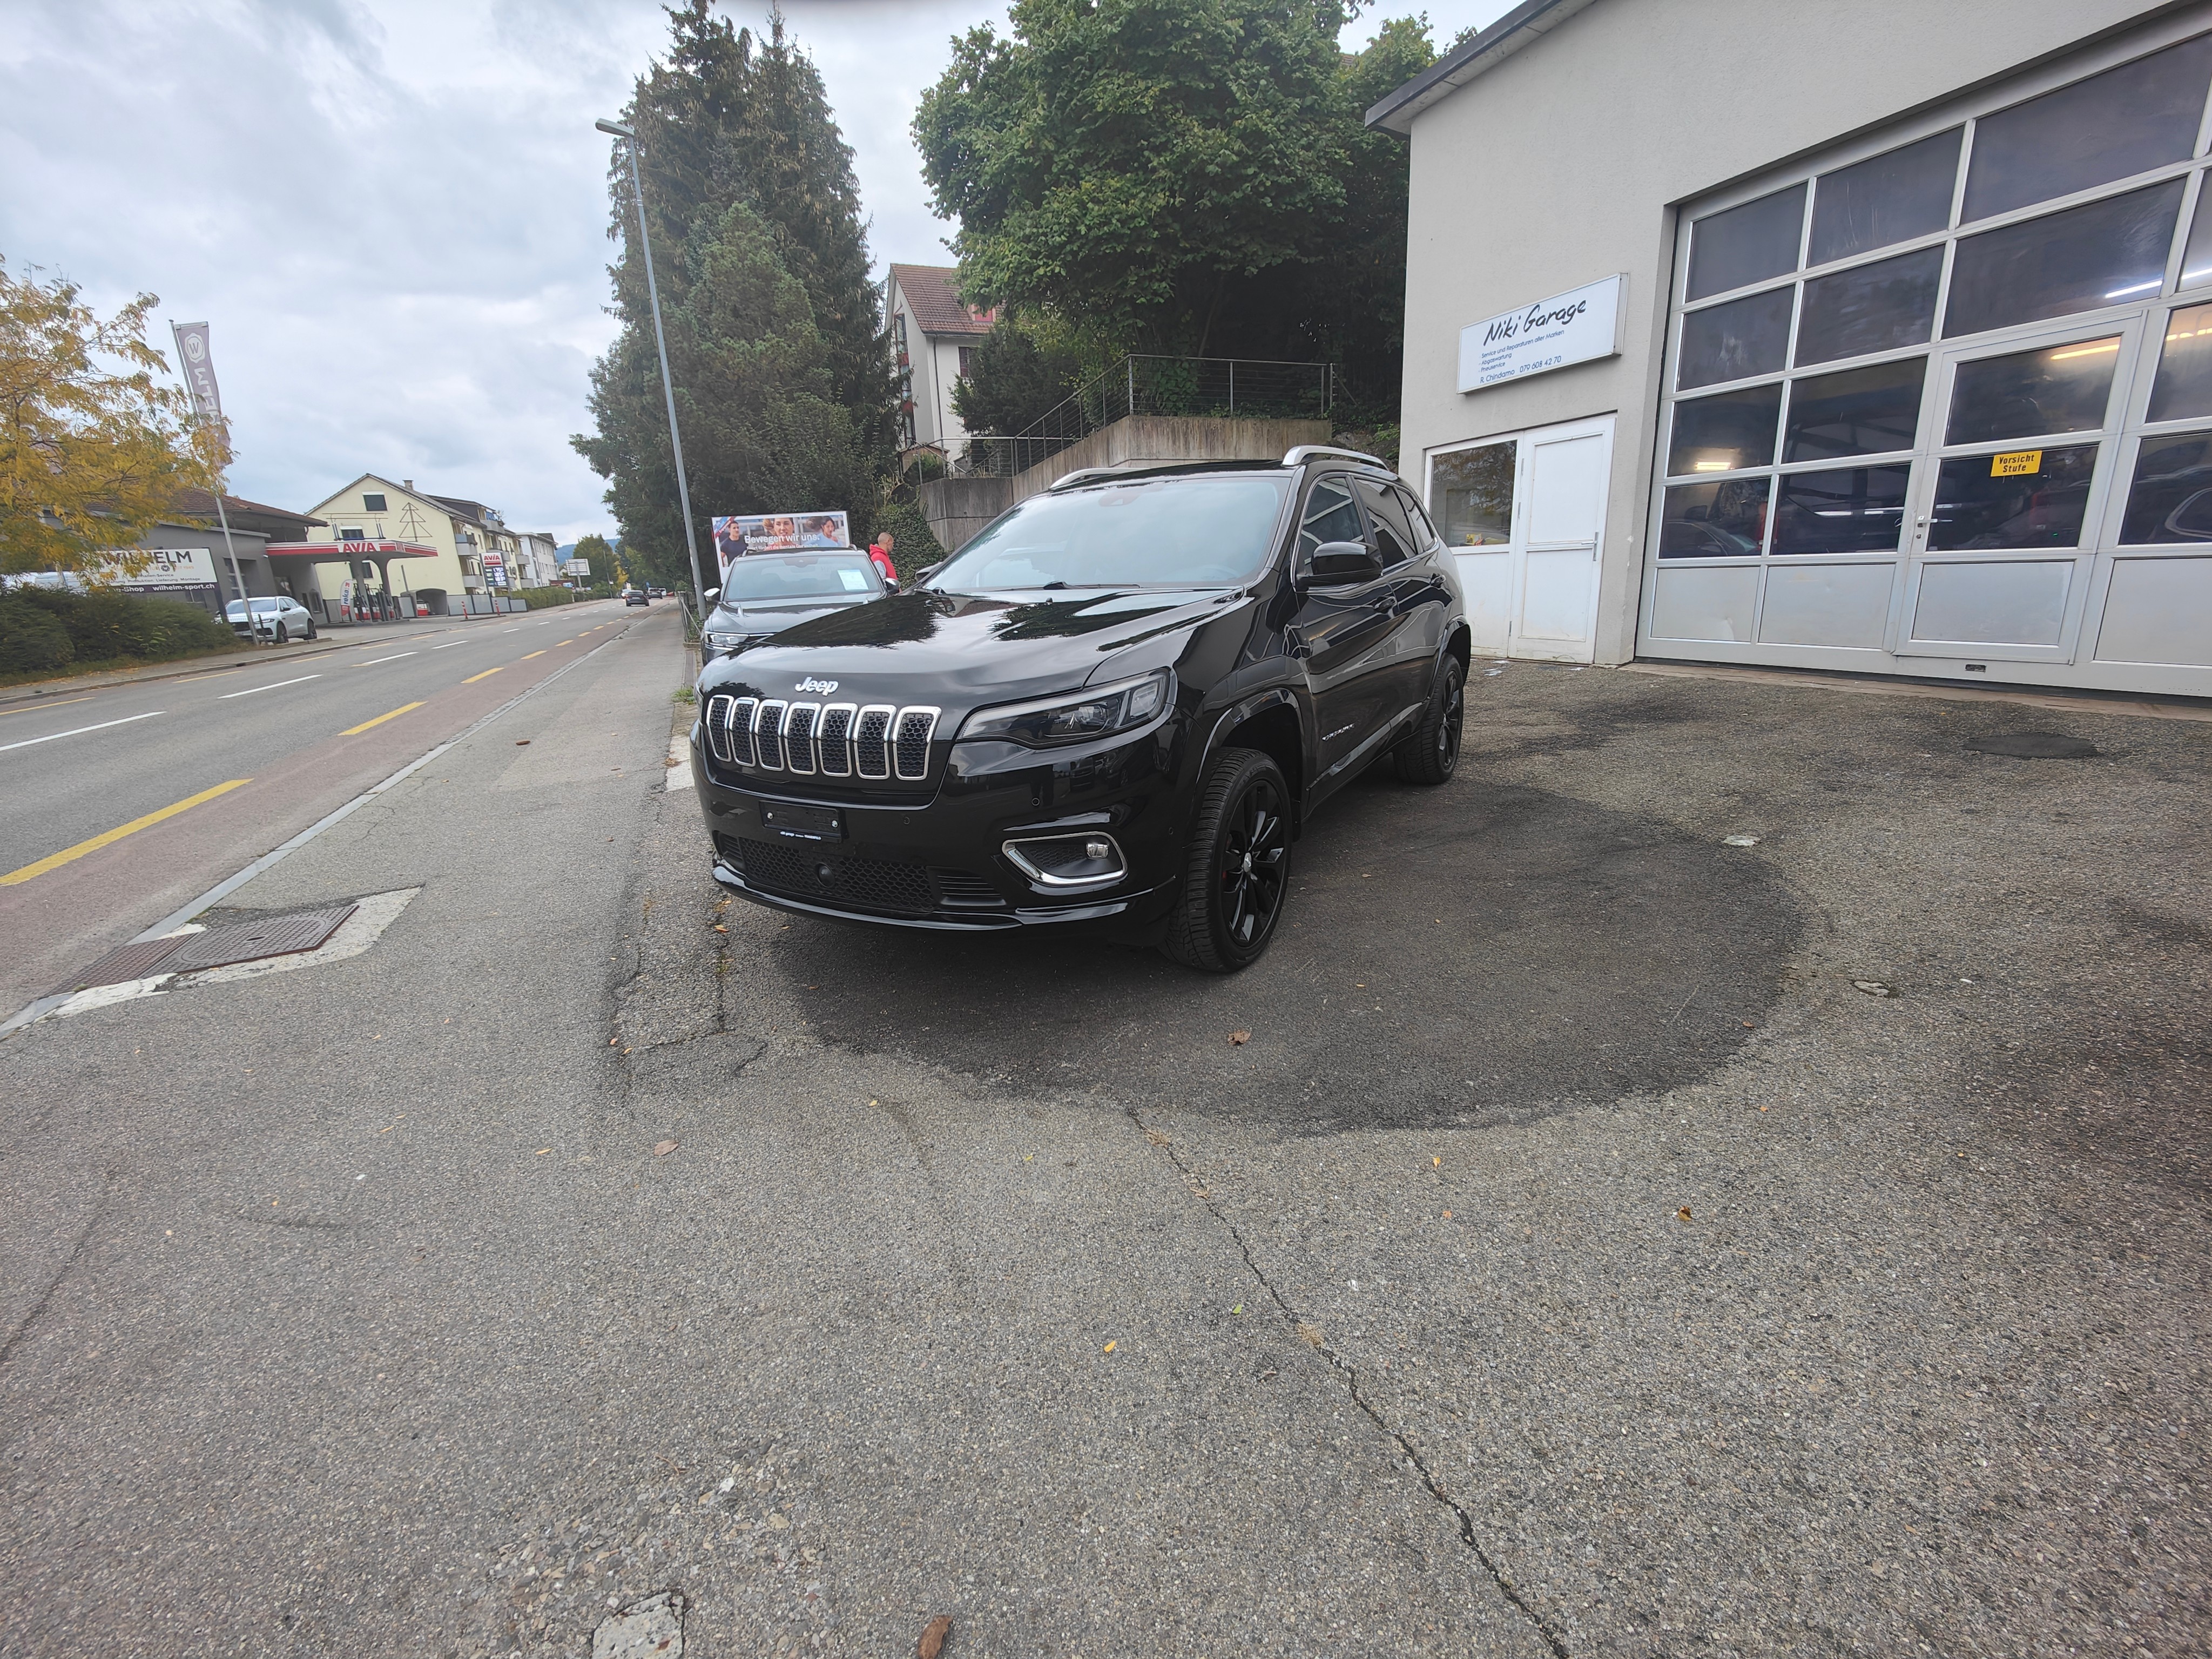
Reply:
x=2170 y=498
x=2183 y=390
x=1471 y=495
x=1720 y=520
x=1735 y=341
x=2114 y=126
x=1870 y=308
x=1747 y=244
x=1854 y=510
x=2099 y=255
x=1885 y=200
x=1997 y=500
x=1860 y=412
x=1726 y=432
x=2029 y=394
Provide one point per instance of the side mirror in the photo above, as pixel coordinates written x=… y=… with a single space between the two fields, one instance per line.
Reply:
x=712 y=594
x=890 y=584
x=1342 y=564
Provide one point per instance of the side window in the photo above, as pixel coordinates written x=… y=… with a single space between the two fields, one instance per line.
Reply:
x=1393 y=537
x=1329 y=516
x=1425 y=533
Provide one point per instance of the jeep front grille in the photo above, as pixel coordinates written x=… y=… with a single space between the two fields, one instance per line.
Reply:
x=837 y=740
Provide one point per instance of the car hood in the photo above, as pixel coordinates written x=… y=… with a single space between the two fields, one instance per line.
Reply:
x=773 y=615
x=962 y=650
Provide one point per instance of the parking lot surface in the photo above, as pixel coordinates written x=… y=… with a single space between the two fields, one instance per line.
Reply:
x=1724 y=1175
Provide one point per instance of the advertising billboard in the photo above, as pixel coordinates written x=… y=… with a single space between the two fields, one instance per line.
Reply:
x=738 y=534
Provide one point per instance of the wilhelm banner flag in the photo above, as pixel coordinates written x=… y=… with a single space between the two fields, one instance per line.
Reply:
x=198 y=369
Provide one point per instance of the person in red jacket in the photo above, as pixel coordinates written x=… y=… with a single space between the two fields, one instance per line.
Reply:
x=879 y=553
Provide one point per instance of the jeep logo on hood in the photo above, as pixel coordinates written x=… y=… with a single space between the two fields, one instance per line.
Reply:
x=809 y=683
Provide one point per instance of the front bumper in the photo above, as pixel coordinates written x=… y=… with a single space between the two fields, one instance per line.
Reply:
x=941 y=864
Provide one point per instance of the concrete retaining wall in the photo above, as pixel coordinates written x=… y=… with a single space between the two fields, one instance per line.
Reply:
x=958 y=508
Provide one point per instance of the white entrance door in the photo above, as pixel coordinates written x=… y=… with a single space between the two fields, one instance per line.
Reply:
x=1525 y=515
x=1556 y=605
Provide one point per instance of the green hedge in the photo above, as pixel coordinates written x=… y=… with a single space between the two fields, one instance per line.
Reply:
x=913 y=546
x=538 y=598
x=44 y=630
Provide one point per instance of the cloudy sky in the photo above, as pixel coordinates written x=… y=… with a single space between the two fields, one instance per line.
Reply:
x=394 y=213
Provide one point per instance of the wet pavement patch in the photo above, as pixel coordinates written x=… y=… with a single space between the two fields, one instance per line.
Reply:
x=1465 y=955
x=2034 y=745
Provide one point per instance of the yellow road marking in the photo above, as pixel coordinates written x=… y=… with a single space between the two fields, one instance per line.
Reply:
x=70 y=854
x=355 y=731
x=557 y=644
x=56 y=704
x=537 y=653
x=486 y=675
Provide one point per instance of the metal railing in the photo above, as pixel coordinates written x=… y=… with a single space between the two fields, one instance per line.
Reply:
x=1193 y=388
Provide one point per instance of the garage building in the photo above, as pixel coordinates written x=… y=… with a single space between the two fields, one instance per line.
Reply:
x=1872 y=337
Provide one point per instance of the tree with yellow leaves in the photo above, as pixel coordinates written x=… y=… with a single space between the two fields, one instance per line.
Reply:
x=94 y=449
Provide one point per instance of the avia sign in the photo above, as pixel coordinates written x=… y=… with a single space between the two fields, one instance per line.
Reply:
x=1568 y=328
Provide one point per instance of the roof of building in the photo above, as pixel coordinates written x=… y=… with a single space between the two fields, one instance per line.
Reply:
x=937 y=306
x=1526 y=24
x=473 y=511
x=255 y=516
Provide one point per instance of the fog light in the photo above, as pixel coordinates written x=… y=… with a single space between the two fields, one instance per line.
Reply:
x=1086 y=859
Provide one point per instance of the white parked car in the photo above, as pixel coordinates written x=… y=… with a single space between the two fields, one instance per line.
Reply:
x=281 y=619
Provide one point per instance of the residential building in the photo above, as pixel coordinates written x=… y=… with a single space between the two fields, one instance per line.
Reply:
x=1875 y=337
x=537 y=557
x=433 y=549
x=934 y=335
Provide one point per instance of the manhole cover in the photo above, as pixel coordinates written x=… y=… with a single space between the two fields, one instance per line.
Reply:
x=130 y=962
x=2034 y=745
x=250 y=941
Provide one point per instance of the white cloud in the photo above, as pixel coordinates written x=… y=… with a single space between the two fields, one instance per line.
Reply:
x=394 y=214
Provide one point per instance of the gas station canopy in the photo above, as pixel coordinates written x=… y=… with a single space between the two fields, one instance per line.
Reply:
x=320 y=551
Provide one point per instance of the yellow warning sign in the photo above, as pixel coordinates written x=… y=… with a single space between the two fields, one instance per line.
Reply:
x=2020 y=464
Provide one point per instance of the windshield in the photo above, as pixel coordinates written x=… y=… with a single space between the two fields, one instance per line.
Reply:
x=261 y=607
x=1150 y=533
x=767 y=577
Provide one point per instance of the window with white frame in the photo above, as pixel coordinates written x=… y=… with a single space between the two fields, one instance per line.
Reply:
x=1828 y=337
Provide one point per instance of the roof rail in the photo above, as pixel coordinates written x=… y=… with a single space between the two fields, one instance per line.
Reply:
x=1082 y=473
x=1304 y=452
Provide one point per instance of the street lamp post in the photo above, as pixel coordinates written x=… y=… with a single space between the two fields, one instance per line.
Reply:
x=628 y=134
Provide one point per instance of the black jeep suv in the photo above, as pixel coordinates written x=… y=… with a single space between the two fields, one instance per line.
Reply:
x=1117 y=706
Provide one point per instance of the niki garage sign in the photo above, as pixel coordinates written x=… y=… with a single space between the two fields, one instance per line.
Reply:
x=1567 y=328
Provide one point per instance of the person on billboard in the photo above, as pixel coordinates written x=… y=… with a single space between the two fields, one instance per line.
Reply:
x=781 y=530
x=729 y=542
x=879 y=554
x=822 y=532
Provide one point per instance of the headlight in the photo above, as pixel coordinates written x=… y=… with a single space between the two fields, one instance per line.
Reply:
x=1075 y=716
x=721 y=642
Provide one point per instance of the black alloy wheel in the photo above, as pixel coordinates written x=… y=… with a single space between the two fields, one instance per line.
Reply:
x=284 y=634
x=1431 y=753
x=1239 y=869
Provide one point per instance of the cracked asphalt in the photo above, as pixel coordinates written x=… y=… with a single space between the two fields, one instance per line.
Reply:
x=1575 y=1261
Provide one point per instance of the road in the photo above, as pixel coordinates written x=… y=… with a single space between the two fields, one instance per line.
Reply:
x=1612 y=1239
x=240 y=758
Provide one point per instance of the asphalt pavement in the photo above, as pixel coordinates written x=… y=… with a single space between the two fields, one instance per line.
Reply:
x=200 y=768
x=1725 y=1175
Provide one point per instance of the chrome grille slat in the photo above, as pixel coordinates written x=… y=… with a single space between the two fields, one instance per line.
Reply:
x=798 y=723
x=737 y=730
x=911 y=747
x=871 y=740
x=834 y=738
x=768 y=735
x=711 y=728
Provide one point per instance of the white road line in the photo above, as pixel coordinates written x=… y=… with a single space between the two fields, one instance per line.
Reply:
x=276 y=686
x=80 y=731
x=373 y=661
x=448 y=645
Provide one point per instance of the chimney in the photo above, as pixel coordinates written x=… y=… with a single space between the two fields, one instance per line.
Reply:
x=407 y=483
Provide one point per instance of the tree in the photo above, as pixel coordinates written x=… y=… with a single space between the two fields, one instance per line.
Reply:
x=595 y=552
x=93 y=450
x=731 y=122
x=1189 y=176
x=761 y=430
x=1013 y=379
x=1142 y=163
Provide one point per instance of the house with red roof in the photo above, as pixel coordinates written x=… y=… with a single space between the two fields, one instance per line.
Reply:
x=934 y=334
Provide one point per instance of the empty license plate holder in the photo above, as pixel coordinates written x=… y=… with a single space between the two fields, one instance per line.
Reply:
x=804 y=823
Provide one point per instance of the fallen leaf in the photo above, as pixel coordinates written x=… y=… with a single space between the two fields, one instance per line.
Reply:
x=541 y=1151
x=1311 y=1333
x=719 y=928
x=1238 y=1039
x=522 y=743
x=662 y=1149
x=1683 y=1213
x=933 y=1636
x=671 y=760
x=1238 y=1309
x=1436 y=1164
x=1156 y=1137
x=1748 y=1025
x=1448 y=1215
x=1108 y=1348
x=612 y=1041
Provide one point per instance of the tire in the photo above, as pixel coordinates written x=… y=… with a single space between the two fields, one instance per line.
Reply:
x=284 y=634
x=1431 y=754
x=310 y=634
x=1230 y=905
